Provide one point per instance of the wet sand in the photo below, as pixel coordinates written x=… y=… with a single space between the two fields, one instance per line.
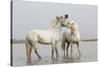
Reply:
x=88 y=53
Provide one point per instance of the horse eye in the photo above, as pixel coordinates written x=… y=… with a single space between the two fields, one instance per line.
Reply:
x=68 y=23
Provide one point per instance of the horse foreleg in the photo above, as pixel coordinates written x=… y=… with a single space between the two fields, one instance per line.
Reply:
x=71 y=49
x=64 y=46
x=65 y=51
x=78 y=49
x=67 y=48
x=56 y=49
x=52 y=52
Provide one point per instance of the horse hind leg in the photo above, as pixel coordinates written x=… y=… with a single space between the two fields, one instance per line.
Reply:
x=28 y=51
x=35 y=50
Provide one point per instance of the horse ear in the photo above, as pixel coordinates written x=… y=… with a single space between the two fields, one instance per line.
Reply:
x=57 y=17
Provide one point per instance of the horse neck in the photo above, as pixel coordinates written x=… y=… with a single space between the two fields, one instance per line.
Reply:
x=56 y=28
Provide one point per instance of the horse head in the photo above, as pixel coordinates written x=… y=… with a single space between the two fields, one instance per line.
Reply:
x=71 y=25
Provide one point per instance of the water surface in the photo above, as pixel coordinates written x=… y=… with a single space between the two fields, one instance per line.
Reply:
x=88 y=53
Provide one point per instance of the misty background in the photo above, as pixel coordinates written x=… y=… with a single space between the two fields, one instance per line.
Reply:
x=38 y=15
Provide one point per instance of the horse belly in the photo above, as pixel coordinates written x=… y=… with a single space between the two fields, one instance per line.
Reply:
x=44 y=39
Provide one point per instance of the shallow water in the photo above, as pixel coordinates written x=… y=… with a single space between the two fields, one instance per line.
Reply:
x=88 y=53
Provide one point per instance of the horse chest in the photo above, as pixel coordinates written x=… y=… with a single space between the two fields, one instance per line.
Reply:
x=72 y=37
x=55 y=36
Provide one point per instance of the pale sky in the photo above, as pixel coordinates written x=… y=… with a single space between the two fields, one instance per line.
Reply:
x=29 y=15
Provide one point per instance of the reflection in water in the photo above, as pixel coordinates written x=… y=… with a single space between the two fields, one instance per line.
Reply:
x=55 y=60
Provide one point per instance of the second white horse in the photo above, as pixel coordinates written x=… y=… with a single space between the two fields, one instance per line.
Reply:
x=71 y=37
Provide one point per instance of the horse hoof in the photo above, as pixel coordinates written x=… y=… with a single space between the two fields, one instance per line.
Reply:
x=57 y=57
x=80 y=55
x=52 y=57
x=28 y=62
x=40 y=57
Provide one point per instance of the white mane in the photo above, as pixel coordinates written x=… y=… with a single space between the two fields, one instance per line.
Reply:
x=54 y=22
x=75 y=26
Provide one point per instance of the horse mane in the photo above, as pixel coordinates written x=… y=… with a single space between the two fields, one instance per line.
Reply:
x=74 y=27
x=54 y=22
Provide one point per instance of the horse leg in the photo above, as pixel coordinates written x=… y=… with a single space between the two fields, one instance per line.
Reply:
x=78 y=49
x=53 y=48
x=56 y=49
x=28 y=51
x=52 y=51
x=67 y=48
x=64 y=46
x=35 y=50
x=71 y=49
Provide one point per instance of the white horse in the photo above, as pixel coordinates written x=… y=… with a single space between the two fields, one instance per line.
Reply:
x=46 y=37
x=71 y=37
